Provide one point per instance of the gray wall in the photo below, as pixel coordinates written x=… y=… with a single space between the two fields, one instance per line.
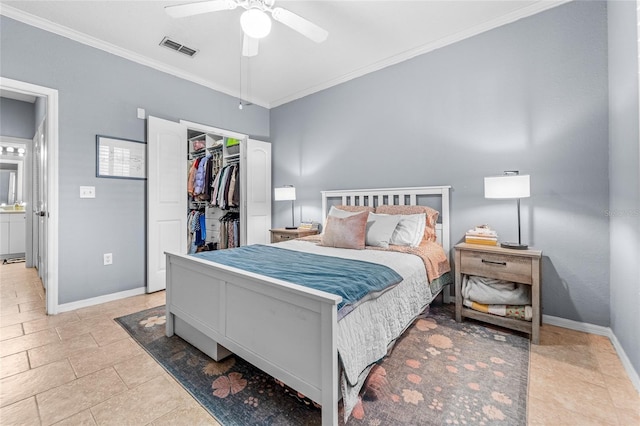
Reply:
x=529 y=96
x=624 y=176
x=17 y=118
x=99 y=94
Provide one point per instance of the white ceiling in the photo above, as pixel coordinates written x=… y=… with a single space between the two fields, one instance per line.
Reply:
x=364 y=36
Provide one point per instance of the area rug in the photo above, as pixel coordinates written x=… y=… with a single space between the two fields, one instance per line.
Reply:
x=439 y=373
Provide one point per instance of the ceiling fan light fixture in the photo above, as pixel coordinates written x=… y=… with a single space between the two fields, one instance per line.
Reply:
x=255 y=23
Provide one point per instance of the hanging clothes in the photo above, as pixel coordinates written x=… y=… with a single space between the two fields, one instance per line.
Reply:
x=226 y=187
x=197 y=225
x=230 y=230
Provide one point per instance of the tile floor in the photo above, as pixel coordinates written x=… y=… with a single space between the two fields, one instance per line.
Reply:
x=81 y=368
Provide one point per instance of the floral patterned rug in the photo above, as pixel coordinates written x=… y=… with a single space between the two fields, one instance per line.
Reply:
x=439 y=373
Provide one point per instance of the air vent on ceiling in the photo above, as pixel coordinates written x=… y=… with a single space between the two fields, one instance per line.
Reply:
x=178 y=47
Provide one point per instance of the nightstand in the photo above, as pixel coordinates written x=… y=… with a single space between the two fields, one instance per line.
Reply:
x=521 y=266
x=282 y=234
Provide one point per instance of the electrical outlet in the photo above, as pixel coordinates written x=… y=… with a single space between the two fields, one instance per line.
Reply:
x=108 y=258
x=87 y=192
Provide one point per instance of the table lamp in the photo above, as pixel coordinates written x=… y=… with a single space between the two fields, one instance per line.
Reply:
x=287 y=193
x=510 y=185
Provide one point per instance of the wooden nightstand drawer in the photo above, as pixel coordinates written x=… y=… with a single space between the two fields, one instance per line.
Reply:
x=277 y=237
x=500 y=266
x=281 y=234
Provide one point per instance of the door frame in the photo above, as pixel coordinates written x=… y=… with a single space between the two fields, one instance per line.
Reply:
x=51 y=96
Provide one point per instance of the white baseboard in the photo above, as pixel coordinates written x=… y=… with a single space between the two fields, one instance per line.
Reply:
x=601 y=331
x=65 y=307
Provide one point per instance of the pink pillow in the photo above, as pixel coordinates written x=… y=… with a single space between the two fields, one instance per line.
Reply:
x=432 y=216
x=346 y=232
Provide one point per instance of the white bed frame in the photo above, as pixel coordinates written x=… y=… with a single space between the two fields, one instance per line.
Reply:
x=288 y=331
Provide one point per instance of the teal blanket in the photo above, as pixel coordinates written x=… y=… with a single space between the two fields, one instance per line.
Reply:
x=353 y=280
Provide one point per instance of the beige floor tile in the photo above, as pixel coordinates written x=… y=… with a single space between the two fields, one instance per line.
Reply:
x=90 y=360
x=156 y=299
x=559 y=389
x=623 y=394
x=590 y=374
x=50 y=321
x=550 y=413
x=83 y=326
x=64 y=401
x=8 y=292
x=600 y=343
x=32 y=306
x=628 y=417
x=191 y=415
x=83 y=418
x=30 y=292
x=11 y=319
x=12 y=301
x=108 y=333
x=60 y=350
x=34 y=381
x=11 y=331
x=138 y=406
x=28 y=341
x=138 y=370
x=114 y=309
x=9 y=310
x=13 y=364
x=611 y=365
x=22 y=413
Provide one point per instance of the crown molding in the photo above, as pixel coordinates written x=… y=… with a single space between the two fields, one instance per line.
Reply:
x=63 y=31
x=426 y=48
x=88 y=40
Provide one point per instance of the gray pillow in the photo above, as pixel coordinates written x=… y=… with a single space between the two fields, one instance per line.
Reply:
x=380 y=228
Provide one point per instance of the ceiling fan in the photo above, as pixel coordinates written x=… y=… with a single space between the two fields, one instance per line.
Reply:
x=255 y=21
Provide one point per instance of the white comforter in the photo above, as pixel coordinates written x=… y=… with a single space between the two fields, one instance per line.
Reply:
x=365 y=334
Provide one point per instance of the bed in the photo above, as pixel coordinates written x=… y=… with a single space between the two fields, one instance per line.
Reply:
x=290 y=331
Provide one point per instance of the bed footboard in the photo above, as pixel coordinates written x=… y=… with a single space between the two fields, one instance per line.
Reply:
x=288 y=331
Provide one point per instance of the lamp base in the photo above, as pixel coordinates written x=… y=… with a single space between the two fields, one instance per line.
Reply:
x=290 y=227
x=514 y=246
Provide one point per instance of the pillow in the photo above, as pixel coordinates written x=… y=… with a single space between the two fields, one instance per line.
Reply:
x=356 y=209
x=410 y=230
x=380 y=228
x=345 y=232
x=432 y=216
x=337 y=212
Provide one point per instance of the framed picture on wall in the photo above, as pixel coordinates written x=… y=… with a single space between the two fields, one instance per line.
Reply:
x=120 y=158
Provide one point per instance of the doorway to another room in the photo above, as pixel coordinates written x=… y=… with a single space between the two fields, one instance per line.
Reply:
x=31 y=205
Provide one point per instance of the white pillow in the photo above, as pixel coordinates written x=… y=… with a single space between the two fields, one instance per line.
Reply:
x=335 y=212
x=410 y=230
x=380 y=228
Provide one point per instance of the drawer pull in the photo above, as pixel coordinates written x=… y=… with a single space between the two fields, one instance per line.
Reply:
x=494 y=263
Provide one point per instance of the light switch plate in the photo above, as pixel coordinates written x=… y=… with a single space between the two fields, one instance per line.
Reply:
x=87 y=192
x=141 y=113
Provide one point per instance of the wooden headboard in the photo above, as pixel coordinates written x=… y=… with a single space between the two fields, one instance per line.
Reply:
x=412 y=196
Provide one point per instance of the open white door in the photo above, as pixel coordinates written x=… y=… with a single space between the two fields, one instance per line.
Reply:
x=40 y=203
x=256 y=192
x=166 y=196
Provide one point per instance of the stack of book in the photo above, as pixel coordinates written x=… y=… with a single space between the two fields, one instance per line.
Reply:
x=481 y=235
x=309 y=226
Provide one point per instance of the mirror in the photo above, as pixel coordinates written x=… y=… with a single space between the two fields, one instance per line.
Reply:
x=10 y=182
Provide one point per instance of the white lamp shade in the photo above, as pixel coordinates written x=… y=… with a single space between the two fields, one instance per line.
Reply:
x=509 y=186
x=255 y=23
x=287 y=193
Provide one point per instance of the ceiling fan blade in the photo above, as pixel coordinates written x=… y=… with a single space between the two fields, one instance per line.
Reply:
x=190 y=9
x=301 y=25
x=250 y=46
